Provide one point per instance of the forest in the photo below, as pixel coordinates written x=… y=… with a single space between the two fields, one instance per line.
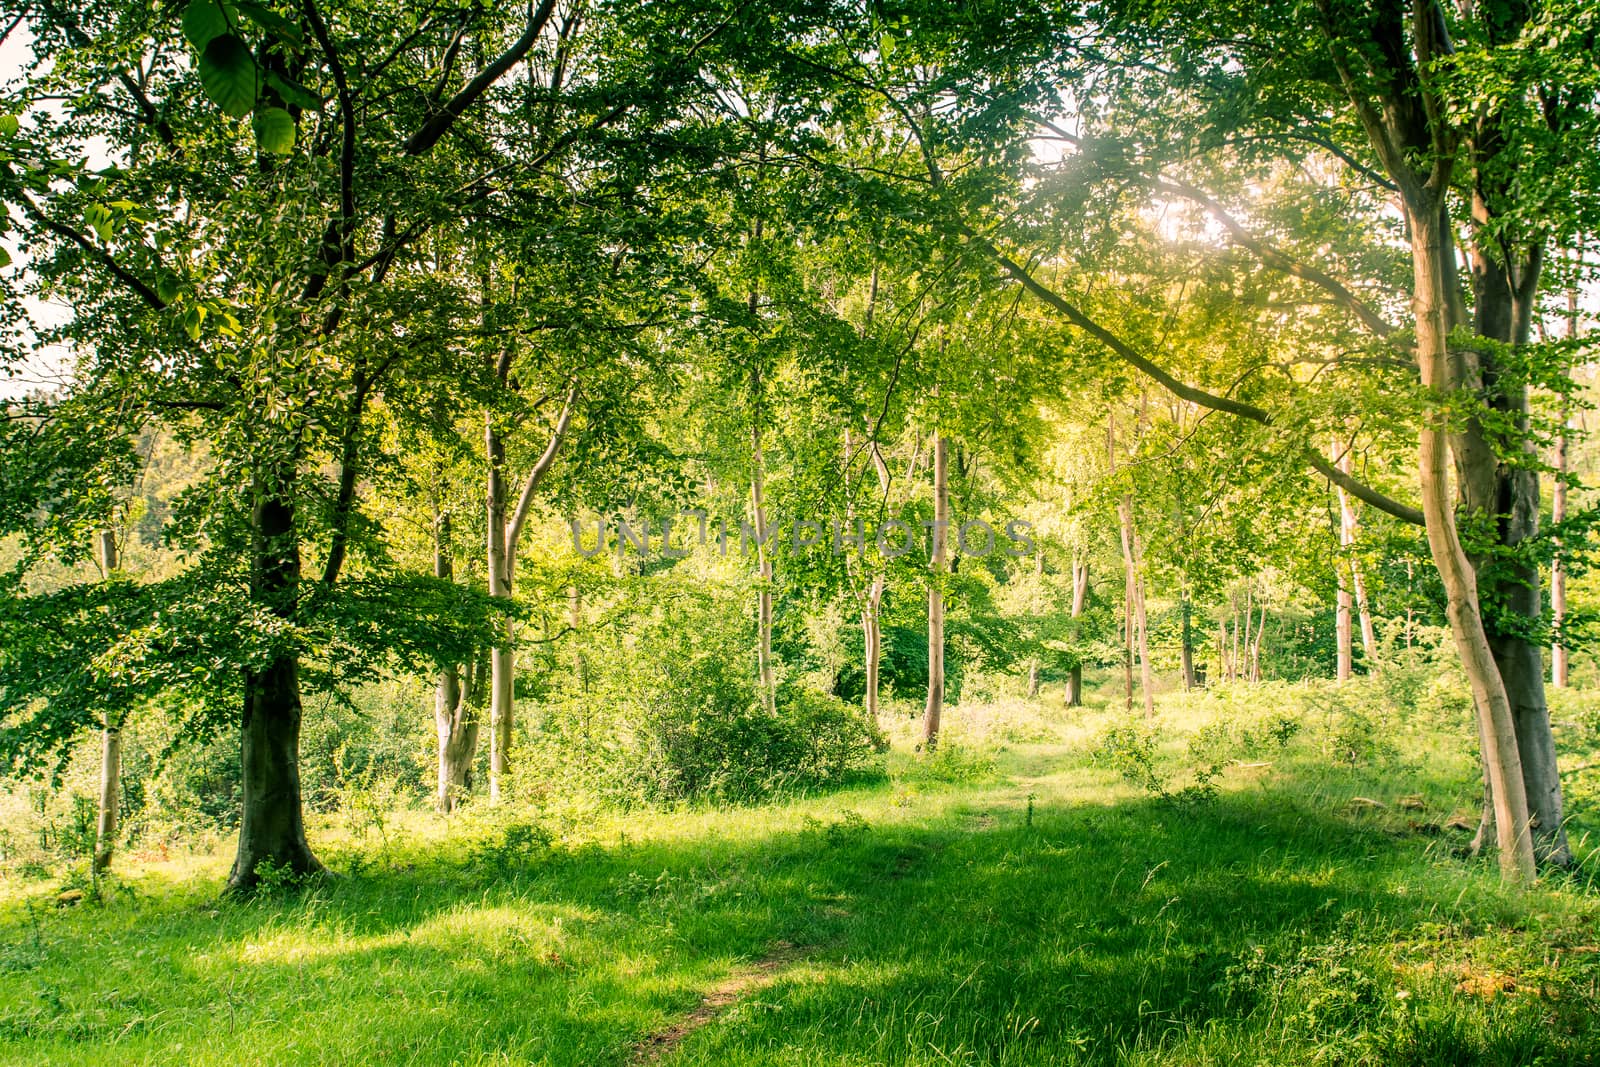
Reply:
x=986 y=532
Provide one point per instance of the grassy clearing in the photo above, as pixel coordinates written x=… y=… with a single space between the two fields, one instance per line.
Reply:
x=1013 y=901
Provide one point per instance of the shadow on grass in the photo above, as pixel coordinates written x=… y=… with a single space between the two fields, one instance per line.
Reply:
x=1254 y=928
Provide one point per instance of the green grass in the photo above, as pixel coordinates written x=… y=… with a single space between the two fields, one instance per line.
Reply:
x=937 y=924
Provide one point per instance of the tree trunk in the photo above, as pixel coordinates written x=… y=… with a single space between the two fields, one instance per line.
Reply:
x=1255 y=647
x=1558 y=568
x=941 y=522
x=1558 y=515
x=272 y=828
x=1136 y=637
x=1187 y=651
x=1033 y=661
x=1080 y=599
x=105 y=838
x=455 y=713
x=874 y=643
x=502 y=664
x=1498 y=727
x=1233 y=653
x=1341 y=627
x=1349 y=524
x=758 y=505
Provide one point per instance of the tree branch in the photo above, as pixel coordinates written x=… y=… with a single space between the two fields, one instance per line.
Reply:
x=530 y=485
x=1182 y=389
x=440 y=122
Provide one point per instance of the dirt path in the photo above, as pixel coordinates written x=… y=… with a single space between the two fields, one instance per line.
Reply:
x=743 y=980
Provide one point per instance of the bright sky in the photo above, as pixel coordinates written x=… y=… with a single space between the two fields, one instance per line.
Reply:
x=47 y=367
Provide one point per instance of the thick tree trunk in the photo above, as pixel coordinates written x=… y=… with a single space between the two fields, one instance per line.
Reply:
x=272 y=828
x=456 y=721
x=455 y=712
x=1506 y=490
x=1074 y=694
x=105 y=838
x=1498 y=727
x=941 y=521
x=1342 y=634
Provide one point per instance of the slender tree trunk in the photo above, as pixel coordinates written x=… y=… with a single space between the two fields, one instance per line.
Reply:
x=1187 y=651
x=502 y=661
x=764 y=566
x=1349 y=524
x=105 y=841
x=1033 y=661
x=580 y=666
x=1233 y=654
x=941 y=521
x=1558 y=567
x=1080 y=598
x=272 y=828
x=874 y=643
x=1136 y=637
x=1558 y=515
x=1255 y=647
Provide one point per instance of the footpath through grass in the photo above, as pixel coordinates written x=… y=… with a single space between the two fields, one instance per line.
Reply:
x=930 y=919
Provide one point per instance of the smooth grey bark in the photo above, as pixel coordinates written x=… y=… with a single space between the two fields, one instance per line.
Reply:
x=933 y=711
x=1080 y=596
x=105 y=838
x=457 y=697
x=504 y=532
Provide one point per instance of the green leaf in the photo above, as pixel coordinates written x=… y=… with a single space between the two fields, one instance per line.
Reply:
x=204 y=21
x=98 y=216
x=274 y=131
x=167 y=288
x=9 y=125
x=272 y=22
x=5 y=257
x=228 y=73
x=293 y=92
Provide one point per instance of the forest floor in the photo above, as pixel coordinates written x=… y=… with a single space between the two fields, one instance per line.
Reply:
x=1014 y=901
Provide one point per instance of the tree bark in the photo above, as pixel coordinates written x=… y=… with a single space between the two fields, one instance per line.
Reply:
x=502 y=664
x=1558 y=567
x=455 y=711
x=1187 y=650
x=1341 y=626
x=758 y=506
x=1080 y=598
x=504 y=532
x=1498 y=728
x=272 y=828
x=105 y=838
x=1558 y=515
x=874 y=643
x=1349 y=525
x=941 y=521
